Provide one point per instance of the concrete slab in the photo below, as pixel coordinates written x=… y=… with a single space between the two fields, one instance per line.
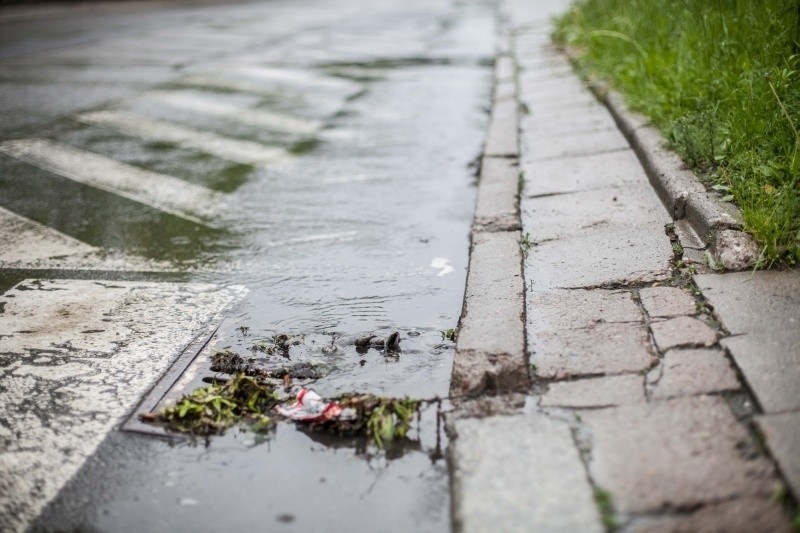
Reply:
x=688 y=372
x=519 y=473
x=498 y=192
x=76 y=357
x=571 y=214
x=579 y=308
x=600 y=349
x=782 y=432
x=553 y=147
x=600 y=257
x=612 y=169
x=596 y=392
x=741 y=515
x=678 y=453
x=770 y=367
x=667 y=302
x=534 y=128
x=502 y=140
x=490 y=351
x=763 y=310
x=683 y=331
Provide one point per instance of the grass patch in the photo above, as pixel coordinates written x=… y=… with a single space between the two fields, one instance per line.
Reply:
x=721 y=80
x=606 y=507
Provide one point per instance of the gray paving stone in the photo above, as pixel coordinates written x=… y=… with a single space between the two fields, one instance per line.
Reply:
x=554 y=146
x=572 y=214
x=699 y=371
x=762 y=302
x=498 y=188
x=504 y=91
x=599 y=257
x=580 y=308
x=743 y=515
x=763 y=309
x=502 y=139
x=519 y=473
x=600 y=349
x=595 y=392
x=677 y=453
x=683 y=331
x=782 y=432
x=504 y=68
x=771 y=366
x=533 y=128
x=490 y=352
x=612 y=169
x=665 y=302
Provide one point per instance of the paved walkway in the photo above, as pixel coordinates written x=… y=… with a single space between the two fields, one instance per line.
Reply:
x=653 y=388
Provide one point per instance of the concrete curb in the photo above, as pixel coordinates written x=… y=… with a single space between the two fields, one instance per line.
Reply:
x=718 y=224
x=490 y=348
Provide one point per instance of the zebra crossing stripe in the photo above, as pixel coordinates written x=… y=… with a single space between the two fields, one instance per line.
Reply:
x=168 y=194
x=238 y=151
x=254 y=117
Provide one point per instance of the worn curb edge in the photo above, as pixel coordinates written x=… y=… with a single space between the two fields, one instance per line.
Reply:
x=718 y=224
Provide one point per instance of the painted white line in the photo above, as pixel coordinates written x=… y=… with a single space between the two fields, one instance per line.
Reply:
x=255 y=117
x=296 y=78
x=27 y=244
x=25 y=240
x=238 y=151
x=171 y=195
x=94 y=349
x=341 y=236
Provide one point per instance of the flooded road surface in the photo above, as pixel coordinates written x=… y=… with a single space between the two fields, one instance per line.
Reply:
x=312 y=156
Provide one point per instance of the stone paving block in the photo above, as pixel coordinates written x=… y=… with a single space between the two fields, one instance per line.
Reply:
x=76 y=356
x=782 y=432
x=519 y=473
x=600 y=349
x=743 y=515
x=502 y=139
x=599 y=257
x=580 y=308
x=771 y=366
x=595 y=392
x=504 y=91
x=683 y=331
x=534 y=128
x=504 y=69
x=765 y=301
x=572 y=214
x=763 y=309
x=699 y=371
x=612 y=169
x=490 y=352
x=677 y=453
x=558 y=146
x=666 y=302
x=496 y=208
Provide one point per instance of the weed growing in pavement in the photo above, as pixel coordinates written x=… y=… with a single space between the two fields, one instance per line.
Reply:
x=449 y=334
x=721 y=79
x=525 y=243
x=604 y=504
x=521 y=181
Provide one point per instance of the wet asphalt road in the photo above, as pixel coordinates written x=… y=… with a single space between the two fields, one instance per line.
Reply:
x=329 y=143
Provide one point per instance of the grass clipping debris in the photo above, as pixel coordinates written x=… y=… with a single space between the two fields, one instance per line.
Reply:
x=247 y=400
x=721 y=80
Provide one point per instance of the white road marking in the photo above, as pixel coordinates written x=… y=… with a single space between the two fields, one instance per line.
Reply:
x=25 y=243
x=255 y=117
x=166 y=193
x=239 y=151
x=78 y=355
x=341 y=236
x=294 y=77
